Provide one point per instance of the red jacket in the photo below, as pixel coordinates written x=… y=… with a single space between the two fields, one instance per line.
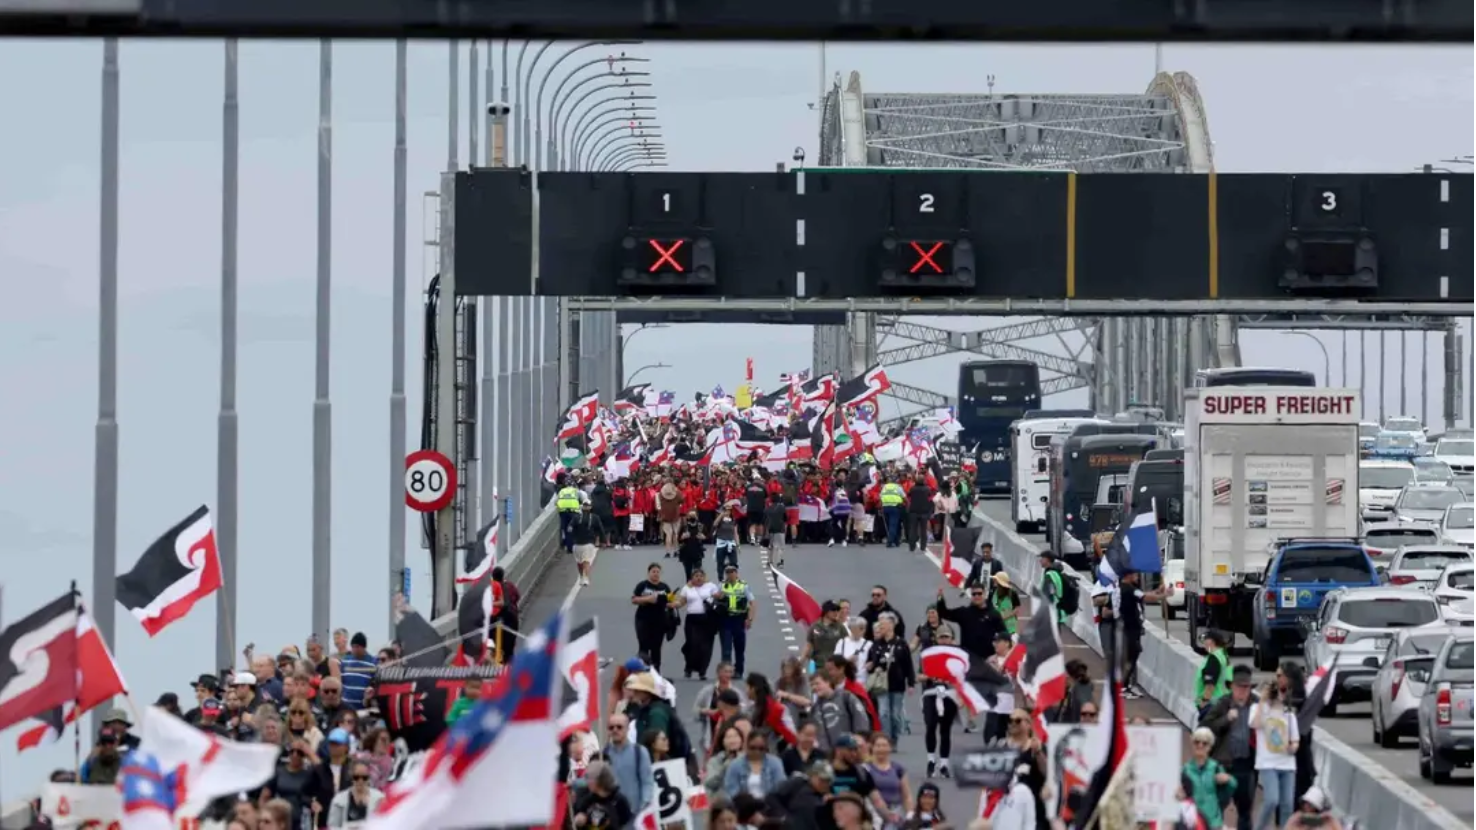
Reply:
x=709 y=499
x=641 y=501
x=621 y=494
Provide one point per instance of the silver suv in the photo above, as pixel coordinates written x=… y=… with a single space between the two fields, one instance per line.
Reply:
x=1445 y=711
x=1418 y=566
x=1400 y=683
x=1354 y=629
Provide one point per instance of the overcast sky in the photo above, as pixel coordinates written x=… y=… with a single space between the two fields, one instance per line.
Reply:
x=722 y=107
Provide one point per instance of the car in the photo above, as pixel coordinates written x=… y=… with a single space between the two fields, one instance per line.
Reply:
x=1382 y=540
x=1458 y=453
x=1426 y=502
x=1405 y=425
x=1354 y=628
x=1368 y=433
x=1431 y=470
x=1400 y=683
x=1445 y=717
x=1458 y=525
x=1379 y=483
x=1300 y=574
x=1396 y=445
x=1455 y=590
x=1466 y=484
x=1418 y=566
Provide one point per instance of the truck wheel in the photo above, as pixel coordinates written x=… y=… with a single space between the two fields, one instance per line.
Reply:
x=1266 y=654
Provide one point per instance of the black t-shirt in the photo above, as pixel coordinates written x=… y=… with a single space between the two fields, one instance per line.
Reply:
x=655 y=612
x=604 y=812
x=794 y=763
x=852 y=780
x=756 y=497
x=1130 y=608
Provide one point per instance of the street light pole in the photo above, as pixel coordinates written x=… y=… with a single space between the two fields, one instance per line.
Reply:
x=1326 y=360
x=598 y=133
x=537 y=149
x=631 y=379
x=619 y=153
x=614 y=137
x=598 y=119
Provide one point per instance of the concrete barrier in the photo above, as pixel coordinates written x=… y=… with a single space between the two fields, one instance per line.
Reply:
x=526 y=564
x=1357 y=786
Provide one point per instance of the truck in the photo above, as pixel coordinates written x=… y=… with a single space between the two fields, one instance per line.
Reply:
x=1261 y=464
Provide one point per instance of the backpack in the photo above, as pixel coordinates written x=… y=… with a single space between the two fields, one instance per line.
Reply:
x=1070 y=599
x=676 y=733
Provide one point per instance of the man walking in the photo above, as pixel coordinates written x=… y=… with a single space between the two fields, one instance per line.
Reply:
x=737 y=612
x=584 y=531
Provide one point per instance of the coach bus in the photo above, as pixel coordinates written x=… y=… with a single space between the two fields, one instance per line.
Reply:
x=1252 y=376
x=992 y=394
x=1092 y=451
x=1032 y=441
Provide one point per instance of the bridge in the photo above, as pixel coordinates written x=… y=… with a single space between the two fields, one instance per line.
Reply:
x=508 y=361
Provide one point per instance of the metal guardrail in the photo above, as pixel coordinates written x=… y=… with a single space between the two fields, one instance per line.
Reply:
x=529 y=561
x=1357 y=786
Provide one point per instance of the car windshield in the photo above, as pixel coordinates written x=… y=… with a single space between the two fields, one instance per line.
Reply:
x=1390 y=539
x=1396 y=440
x=1460 y=656
x=1403 y=425
x=1424 y=644
x=1429 y=469
x=1449 y=447
x=1385 y=478
x=1388 y=612
x=1461 y=580
x=1431 y=560
x=1368 y=430
x=1433 y=498
x=1461 y=518
x=1324 y=565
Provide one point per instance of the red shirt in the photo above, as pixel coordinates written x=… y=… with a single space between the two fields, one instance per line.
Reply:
x=619 y=494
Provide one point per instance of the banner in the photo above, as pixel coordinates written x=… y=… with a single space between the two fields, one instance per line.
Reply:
x=676 y=797
x=990 y=769
x=950 y=456
x=415 y=700
x=1076 y=751
x=74 y=806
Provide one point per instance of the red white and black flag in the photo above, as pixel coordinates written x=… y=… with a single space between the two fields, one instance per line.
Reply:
x=178 y=570
x=481 y=556
x=38 y=661
x=98 y=682
x=479 y=607
x=580 y=662
x=578 y=416
x=1043 y=667
x=867 y=386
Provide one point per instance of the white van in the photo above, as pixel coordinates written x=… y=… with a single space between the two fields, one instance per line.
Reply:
x=1030 y=443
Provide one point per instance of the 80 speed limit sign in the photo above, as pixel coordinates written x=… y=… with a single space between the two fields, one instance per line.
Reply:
x=430 y=481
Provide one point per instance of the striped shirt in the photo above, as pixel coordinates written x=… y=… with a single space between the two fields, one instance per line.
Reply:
x=357 y=674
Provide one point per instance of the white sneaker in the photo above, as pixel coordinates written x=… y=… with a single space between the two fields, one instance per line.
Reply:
x=843 y=543
x=584 y=581
x=830 y=543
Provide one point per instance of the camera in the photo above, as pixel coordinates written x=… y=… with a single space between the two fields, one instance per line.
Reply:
x=799 y=155
x=497 y=108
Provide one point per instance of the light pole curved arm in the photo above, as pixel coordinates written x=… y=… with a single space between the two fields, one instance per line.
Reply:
x=520 y=89
x=543 y=85
x=584 y=123
x=1326 y=360
x=625 y=161
x=615 y=123
x=561 y=97
x=637 y=164
x=621 y=152
x=614 y=136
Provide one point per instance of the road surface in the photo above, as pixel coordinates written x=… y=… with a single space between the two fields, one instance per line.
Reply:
x=1352 y=724
x=827 y=573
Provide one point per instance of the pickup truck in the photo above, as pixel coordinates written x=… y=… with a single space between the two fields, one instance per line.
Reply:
x=1445 y=718
x=1300 y=573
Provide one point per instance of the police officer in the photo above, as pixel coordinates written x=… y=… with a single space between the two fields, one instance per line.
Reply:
x=1214 y=677
x=892 y=498
x=567 y=502
x=735 y=607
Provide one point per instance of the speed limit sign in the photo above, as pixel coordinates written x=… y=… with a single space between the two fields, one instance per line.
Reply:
x=430 y=481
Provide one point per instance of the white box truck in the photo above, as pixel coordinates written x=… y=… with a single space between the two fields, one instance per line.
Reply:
x=1261 y=464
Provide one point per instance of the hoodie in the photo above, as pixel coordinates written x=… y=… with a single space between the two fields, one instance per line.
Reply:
x=840 y=714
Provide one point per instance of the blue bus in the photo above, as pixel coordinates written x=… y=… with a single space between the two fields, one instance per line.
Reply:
x=992 y=394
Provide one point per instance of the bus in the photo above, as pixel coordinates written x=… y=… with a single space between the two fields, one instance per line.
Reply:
x=992 y=394
x=1081 y=462
x=1251 y=376
x=1031 y=448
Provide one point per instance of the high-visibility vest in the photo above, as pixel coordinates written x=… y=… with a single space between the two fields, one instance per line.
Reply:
x=736 y=594
x=568 y=500
x=1222 y=684
x=891 y=494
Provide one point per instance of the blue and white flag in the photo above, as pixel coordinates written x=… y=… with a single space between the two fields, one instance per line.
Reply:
x=1134 y=547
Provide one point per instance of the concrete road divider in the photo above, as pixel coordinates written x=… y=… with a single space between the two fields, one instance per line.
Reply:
x=526 y=564
x=1357 y=786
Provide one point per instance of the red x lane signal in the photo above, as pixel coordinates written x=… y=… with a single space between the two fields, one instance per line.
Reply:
x=924 y=260
x=670 y=255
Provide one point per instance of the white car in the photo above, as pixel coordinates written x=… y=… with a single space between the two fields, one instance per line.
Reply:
x=1419 y=566
x=1458 y=525
x=1405 y=424
x=1455 y=590
x=1379 y=483
x=1426 y=502
x=1458 y=453
x=1431 y=470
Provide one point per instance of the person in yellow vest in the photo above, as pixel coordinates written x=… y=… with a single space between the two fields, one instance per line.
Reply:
x=566 y=500
x=1214 y=677
x=735 y=607
x=892 y=497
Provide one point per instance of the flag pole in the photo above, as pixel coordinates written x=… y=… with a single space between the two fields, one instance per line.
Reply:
x=76 y=707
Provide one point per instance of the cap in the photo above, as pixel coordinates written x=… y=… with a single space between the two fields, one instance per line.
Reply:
x=243 y=678
x=359 y=639
x=845 y=742
x=635 y=664
x=206 y=681
x=1315 y=797
x=822 y=769
x=210 y=704
x=286 y=657
x=339 y=735
x=117 y=716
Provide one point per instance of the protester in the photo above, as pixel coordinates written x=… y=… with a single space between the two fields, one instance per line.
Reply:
x=1275 y=726
x=652 y=598
x=1229 y=719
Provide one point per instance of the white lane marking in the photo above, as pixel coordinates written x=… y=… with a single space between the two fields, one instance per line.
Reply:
x=1445 y=190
